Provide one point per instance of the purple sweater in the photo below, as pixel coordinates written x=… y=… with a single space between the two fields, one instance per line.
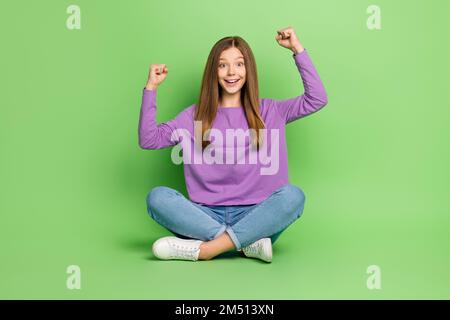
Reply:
x=235 y=182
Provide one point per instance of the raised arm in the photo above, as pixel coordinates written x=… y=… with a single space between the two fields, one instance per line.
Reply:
x=314 y=96
x=151 y=134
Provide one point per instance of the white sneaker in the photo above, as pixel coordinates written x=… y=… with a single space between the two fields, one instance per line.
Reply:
x=261 y=249
x=168 y=248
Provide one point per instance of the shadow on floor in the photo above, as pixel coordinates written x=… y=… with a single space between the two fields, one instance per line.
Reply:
x=145 y=246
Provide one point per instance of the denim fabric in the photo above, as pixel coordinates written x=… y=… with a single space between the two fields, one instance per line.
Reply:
x=245 y=224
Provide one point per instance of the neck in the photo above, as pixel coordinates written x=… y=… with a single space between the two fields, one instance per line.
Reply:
x=230 y=100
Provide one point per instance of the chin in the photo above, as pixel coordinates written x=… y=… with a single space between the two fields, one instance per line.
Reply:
x=231 y=90
x=234 y=91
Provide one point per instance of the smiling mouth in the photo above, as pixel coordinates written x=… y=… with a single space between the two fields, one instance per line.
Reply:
x=231 y=82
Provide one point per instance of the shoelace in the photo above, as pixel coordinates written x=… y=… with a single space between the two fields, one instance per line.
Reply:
x=254 y=248
x=184 y=251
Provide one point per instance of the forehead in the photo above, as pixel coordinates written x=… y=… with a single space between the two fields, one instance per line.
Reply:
x=231 y=54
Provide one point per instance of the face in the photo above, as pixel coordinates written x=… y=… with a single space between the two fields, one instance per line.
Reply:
x=231 y=68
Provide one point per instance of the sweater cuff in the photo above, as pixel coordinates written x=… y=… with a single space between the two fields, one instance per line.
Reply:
x=301 y=58
x=148 y=90
x=148 y=94
x=299 y=54
x=148 y=98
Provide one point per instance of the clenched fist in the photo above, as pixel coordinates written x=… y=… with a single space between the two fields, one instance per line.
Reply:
x=156 y=75
x=287 y=38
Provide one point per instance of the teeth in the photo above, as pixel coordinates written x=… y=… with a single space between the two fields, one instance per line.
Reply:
x=231 y=81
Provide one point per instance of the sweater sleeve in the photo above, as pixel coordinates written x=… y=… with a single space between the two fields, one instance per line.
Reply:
x=151 y=134
x=314 y=96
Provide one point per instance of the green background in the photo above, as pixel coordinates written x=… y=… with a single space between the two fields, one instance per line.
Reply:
x=373 y=163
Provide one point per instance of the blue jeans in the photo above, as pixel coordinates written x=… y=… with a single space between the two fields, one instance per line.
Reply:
x=244 y=224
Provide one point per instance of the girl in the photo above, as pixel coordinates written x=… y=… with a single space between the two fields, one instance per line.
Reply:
x=232 y=205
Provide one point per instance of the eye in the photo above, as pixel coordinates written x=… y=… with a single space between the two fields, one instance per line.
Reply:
x=220 y=65
x=241 y=63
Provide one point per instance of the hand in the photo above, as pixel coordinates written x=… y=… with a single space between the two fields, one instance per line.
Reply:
x=287 y=38
x=156 y=75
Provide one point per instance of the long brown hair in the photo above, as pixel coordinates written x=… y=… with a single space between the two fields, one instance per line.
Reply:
x=211 y=90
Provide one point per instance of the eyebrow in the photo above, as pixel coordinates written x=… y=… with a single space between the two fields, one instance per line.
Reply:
x=241 y=57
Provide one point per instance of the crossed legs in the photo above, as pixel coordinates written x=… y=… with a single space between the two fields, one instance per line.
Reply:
x=174 y=211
